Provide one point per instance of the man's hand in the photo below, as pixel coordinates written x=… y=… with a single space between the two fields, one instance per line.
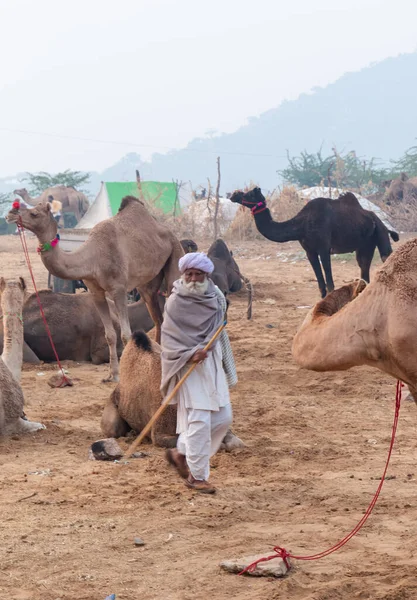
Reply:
x=199 y=356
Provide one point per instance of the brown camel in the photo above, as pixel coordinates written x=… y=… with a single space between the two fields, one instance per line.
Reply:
x=137 y=397
x=12 y=417
x=401 y=189
x=71 y=200
x=76 y=327
x=129 y=250
x=375 y=327
x=324 y=227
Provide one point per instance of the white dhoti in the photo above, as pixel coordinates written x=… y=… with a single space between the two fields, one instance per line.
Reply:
x=204 y=413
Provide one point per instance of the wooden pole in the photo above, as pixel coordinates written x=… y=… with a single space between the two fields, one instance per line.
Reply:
x=168 y=399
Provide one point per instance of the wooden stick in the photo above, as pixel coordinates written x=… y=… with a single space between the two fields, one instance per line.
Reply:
x=168 y=399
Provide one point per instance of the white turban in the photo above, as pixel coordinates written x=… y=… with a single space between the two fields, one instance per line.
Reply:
x=196 y=260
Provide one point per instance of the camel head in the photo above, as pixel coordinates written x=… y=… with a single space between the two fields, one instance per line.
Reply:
x=22 y=192
x=337 y=299
x=13 y=295
x=189 y=246
x=251 y=199
x=37 y=219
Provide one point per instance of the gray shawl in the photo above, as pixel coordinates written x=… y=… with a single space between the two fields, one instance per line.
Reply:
x=190 y=321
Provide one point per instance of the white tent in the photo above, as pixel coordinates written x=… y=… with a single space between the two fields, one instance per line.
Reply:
x=98 y=211
x=324 y=192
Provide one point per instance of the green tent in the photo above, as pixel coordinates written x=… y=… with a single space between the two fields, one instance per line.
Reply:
x=160 y=195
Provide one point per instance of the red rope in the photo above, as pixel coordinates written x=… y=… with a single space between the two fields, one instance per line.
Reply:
x=48 y=331
x=280 y=552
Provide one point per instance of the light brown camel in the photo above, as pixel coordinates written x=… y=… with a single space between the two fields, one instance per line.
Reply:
x=12 y=300
x=129 y=250
x=137 y=397
x=72 y=201
x=12 y=418
x=375 y=327
x=76 y=327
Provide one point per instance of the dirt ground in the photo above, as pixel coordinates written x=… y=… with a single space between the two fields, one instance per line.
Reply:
x=316 y=445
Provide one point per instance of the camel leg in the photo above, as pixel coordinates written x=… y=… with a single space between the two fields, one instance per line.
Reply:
x=102 y=307
x=327 y=267
x=315 y=263
x=112 y=424
x=149 y=294
x=120 y=302
x=364 y=258
x=20 y=425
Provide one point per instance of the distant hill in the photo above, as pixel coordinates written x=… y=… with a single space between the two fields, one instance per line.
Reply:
x=372 y=111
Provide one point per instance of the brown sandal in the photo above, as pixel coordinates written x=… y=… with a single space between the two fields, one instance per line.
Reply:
x=178 y=461
x=204 y=487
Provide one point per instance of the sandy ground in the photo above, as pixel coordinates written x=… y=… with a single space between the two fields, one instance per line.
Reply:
x=316 y=444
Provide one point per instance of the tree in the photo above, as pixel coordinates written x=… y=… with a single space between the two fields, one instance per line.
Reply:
x=407 y=163
x=307 y=169
x=337 y=170
x=38 y=182
x=5 y=203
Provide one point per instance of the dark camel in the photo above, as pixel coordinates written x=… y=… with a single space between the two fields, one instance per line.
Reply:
x=324 y=227
x=226 y=274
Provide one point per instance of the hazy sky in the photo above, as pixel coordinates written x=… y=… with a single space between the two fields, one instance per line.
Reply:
x=149 y=75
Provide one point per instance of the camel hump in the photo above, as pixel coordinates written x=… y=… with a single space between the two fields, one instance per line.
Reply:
x=142 y=341
x=350 y=198
x=127 y=201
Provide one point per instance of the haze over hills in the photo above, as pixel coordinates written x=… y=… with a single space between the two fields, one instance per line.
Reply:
x=372 y=111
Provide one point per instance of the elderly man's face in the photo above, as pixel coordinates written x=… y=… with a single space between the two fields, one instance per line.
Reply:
x=194 y=276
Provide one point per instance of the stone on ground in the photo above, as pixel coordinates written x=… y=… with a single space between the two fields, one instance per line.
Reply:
x=106 y=449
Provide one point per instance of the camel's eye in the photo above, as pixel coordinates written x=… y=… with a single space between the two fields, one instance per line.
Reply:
x=34 y=213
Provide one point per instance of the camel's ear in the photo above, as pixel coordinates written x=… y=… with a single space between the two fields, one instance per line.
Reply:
x=22 y=284
x=2 y=284
x=360 y=285
x=48 y=207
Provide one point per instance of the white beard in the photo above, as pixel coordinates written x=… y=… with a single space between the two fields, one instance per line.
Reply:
x=196 y=287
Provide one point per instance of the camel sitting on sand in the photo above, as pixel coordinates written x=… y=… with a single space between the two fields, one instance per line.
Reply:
x=375 y=327
x=12 y=417
x=75 y=326
x=129 y=250
x=137 y=397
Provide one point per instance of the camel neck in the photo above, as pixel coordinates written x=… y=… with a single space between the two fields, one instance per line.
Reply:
x=13 y=343
x=66 y=265
x=277 y=232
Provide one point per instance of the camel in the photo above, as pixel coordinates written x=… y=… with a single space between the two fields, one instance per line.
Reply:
x=401 y=189
x=324 y=227
x=12 y=417
x=373 y=324
x=129 y=250
x=75 y=326
x=226 y=274
x=137 y=397
x=71 y=200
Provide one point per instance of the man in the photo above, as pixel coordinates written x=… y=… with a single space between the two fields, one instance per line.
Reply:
x=193 y=313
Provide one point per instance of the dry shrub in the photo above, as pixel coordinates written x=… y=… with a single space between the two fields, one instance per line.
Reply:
x=402 y=214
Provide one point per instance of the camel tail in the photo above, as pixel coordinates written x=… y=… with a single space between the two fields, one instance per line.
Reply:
x=395 y=236
x=382 y=238
x=171 y=268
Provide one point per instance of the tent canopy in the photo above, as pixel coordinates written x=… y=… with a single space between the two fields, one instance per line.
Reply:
x=161 y=195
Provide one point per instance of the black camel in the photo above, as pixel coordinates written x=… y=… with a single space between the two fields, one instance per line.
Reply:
x=324 y=227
